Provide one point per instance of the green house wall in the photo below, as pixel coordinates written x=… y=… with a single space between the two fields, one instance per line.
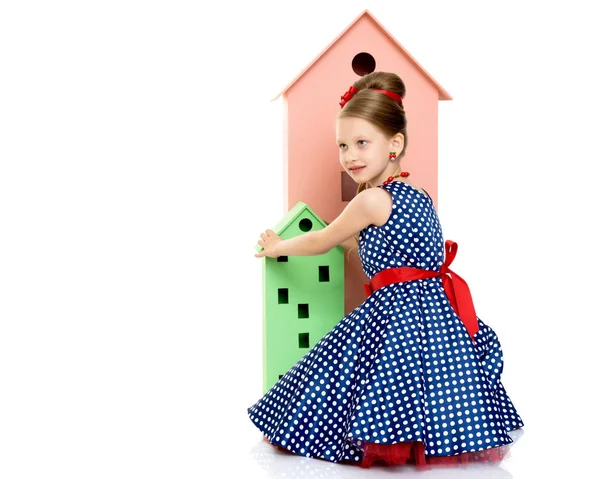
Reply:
x=303 y=298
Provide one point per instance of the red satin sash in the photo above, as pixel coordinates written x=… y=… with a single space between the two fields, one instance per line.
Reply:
x=455 y=287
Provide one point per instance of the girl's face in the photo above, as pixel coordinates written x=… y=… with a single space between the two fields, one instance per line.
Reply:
x=364 y=150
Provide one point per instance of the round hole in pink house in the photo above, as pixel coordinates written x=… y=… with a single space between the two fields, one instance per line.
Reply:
x=363 y=64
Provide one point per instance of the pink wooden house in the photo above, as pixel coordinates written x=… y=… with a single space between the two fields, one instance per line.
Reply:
x=312 y=172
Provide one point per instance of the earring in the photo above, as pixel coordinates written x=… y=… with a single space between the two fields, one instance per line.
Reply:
x=392 y=155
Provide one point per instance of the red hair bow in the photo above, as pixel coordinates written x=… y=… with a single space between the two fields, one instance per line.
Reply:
x=348 y=96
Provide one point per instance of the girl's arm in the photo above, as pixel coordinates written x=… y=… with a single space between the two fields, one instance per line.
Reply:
x=372 y=206
x=350 y=243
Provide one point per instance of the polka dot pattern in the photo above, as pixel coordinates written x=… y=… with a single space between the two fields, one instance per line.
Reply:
x=399 y=367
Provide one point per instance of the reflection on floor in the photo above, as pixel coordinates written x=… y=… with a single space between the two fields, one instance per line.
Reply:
x=279 y=464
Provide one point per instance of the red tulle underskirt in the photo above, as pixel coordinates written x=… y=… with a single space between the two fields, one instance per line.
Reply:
x=413 y=453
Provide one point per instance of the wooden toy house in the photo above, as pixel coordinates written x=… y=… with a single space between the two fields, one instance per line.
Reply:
x=303 y=297
x=312 y=172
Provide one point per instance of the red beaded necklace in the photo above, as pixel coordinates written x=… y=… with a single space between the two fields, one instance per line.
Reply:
x=404 y=174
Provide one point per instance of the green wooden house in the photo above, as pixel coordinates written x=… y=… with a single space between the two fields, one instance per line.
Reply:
x=303 y=297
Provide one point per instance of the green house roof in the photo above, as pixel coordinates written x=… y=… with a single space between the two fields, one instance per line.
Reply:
x=290 y=217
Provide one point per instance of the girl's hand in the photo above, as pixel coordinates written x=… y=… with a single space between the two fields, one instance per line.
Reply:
x=268 y=242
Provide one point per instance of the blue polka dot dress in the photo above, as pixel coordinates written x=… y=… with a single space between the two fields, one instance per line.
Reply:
x=400 y=369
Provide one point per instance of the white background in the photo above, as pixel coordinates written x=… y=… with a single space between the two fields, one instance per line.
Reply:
x=140 y=157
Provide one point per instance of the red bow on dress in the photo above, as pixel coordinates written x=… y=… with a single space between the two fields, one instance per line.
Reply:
x=455 y=287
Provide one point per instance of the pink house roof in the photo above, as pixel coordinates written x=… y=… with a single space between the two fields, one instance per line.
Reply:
x=443 y=94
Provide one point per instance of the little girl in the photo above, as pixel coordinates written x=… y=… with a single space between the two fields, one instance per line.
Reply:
x=412 y=375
